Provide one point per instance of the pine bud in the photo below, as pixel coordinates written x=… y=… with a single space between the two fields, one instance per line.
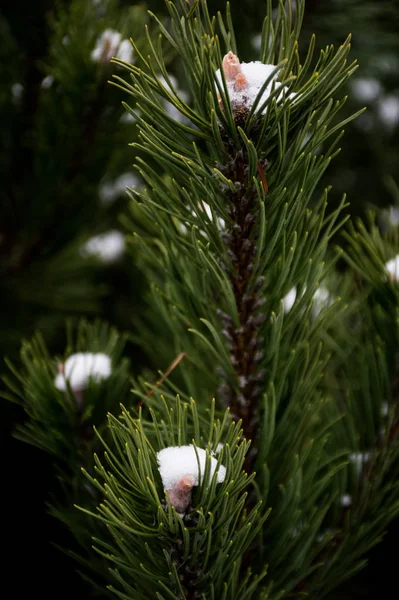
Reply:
x=180 y=493
x=231 y=66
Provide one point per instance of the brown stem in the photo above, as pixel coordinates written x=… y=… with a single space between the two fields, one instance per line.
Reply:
x=244 y=340
x=188 y=574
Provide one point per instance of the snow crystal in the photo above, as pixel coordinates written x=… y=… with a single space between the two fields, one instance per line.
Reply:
x=176 y=462
x=110 y=44
x=253 y=76
x=82 y=367
x=392 y=266
x=289 y=300
x=107 y=247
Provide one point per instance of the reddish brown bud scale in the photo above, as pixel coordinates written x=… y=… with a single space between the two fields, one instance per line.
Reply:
x=231 y=66
x=180 y=494
x=240 y=83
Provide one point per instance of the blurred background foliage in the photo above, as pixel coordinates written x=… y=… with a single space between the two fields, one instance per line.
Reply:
x=64 y=166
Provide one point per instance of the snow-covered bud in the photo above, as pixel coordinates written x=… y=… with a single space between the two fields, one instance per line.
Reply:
x=178 y=467
x=81 y=368
x=180 y=494
x=245 y=80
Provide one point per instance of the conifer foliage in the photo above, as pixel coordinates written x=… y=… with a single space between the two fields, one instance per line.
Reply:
x=262 y=463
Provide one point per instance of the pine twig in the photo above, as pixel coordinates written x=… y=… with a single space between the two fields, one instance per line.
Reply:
x=169 y=370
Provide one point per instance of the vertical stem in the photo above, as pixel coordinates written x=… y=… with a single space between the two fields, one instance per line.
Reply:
x=245 y=342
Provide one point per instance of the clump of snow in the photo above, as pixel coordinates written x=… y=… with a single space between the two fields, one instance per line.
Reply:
x=384 y=408
x=17 y=89
x=289 y=300
x=358 y=459
x=176 y=462
x=219 y=448
x=128 y=118
x=178 y=467
x=388 y=111
x=47 y=82
x=244 y=81
x=256 y=41
x=107 y=247
x=204 y=207
x=110 y=44
x=391 y=215
x=321 y=299
x=81 y=368
x=346 y=500
x=220 y=222
x=392 y=267
x=111 y=190
x=366 y=89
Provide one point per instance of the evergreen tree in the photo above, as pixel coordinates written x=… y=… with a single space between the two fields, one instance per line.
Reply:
x=262 y=460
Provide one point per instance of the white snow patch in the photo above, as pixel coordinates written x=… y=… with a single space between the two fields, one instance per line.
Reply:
x=392 y=266
x=393 y=215
x=358 y=459
x=388 y=111
x=177 y=461
x=111 y=190
x=82 y=367
x=321 y=299
x=366 y=89
x=107 y=247
x=220 y=222
x=289 y=300
x=346 y=500
x=17 y=90
x=110 y=44
x=47 y=82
